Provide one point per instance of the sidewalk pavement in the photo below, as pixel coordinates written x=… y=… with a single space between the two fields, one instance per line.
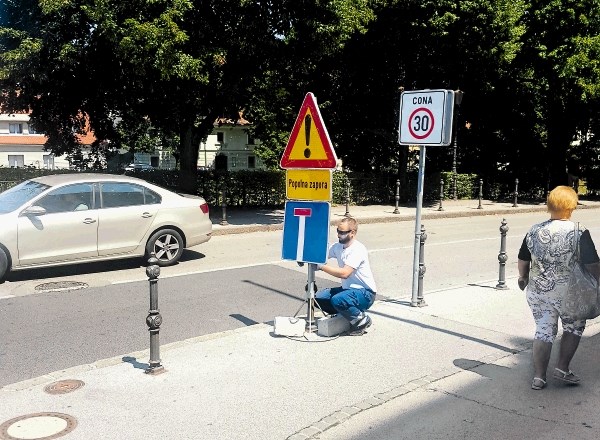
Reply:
x=458 y=368
x=244 y=220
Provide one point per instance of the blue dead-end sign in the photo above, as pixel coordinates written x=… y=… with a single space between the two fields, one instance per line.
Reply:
x=306 y=231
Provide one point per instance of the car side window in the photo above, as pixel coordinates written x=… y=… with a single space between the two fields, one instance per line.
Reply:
x=150 y=197
x=116 y=194
x=78 y=197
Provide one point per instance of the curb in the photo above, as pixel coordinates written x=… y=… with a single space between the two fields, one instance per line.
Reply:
x=472 y=212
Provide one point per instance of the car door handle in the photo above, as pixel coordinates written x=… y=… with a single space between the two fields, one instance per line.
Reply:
x=146 y=215
x=89 y=221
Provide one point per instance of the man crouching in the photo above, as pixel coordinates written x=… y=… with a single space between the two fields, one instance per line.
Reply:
x=358 y=289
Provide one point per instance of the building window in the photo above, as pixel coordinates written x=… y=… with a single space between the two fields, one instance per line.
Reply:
x=49 y=161
x=31 y=129
x=233 y=162
x=16 y=160
x=220 y=137
x=250 y=140
x=15 y=128
x=251 y=162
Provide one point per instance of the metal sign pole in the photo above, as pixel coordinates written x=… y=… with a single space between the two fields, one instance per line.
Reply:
x=310 y=312
x=415 y=285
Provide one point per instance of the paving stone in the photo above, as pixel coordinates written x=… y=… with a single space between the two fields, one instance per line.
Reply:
x=310 y=431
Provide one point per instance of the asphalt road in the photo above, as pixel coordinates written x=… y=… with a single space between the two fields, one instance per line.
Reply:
x=51 y=331
x=232 y=281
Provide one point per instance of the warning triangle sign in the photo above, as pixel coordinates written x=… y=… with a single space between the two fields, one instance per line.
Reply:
x=309 y=145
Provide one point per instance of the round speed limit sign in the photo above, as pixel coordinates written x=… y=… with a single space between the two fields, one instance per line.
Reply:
x=421 y=123
x=426 y=117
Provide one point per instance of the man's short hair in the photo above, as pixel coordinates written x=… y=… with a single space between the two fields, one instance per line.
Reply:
x=351 y=222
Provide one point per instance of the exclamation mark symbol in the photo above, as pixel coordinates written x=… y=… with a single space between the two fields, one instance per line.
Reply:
x=307 y=122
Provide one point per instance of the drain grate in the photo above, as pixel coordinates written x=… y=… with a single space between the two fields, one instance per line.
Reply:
x=38 y=426
x=64 y=386
x=58 y=286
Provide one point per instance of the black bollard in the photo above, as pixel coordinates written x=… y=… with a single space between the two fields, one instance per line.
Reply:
x=396 y=210
x=347 y=214
x=154 y=319
x=502 y=257
x=516 y=193
x=441 y=194
x=422 y=268
x=480 y=193
x=224 y=221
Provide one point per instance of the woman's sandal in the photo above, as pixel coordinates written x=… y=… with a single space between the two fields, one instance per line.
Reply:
x=565 y=376
x=538 y=383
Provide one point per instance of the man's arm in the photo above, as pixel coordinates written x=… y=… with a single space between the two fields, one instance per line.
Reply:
x=339 y=272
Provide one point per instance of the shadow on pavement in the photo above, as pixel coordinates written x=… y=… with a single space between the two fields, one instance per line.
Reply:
x=496 y=402
x=238 y=217
x=448 y=332
x=134 y=362
x=85 y=268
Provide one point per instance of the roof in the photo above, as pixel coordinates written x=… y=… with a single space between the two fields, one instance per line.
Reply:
x=228 y=121
x=37 y=139
x=23 y=139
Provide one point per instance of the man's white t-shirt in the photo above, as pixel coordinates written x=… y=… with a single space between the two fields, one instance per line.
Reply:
x=357 y=257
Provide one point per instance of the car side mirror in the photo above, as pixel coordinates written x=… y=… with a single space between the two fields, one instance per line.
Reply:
x=34 y=210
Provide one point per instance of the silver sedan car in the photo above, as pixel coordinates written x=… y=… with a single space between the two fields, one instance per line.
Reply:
x=74 y=218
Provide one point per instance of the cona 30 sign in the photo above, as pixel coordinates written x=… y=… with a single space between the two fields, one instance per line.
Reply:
x=426 y=117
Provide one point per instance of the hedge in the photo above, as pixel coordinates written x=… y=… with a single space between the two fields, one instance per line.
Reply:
x=267 y=188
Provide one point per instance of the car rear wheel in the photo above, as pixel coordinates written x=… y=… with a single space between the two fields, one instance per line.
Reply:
x=3 y=264
x=167 y=245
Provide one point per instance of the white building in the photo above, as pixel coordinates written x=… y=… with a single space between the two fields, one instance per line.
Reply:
x=21 y=146
x=228 y=146
x=230 y=141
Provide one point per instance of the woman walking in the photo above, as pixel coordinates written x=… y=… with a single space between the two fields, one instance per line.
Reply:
x=545 y=262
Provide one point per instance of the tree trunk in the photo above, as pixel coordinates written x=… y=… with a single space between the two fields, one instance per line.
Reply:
x=189 y=143
x=560 y=131
x=188 y=159
x=403 y=173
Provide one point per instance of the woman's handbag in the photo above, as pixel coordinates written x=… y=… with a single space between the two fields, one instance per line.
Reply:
x=582 y=300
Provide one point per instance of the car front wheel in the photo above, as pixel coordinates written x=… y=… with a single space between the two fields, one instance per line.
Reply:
x=3 y=264
x=167 y=246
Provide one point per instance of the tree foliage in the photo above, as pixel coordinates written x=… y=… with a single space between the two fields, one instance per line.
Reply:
x=148 y=71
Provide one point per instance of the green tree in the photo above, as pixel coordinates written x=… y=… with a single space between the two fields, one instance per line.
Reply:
x=176 y=63
x=419 y=45
x=556 y=78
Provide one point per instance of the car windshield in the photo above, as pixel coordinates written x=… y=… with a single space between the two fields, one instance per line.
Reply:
x=16 y=196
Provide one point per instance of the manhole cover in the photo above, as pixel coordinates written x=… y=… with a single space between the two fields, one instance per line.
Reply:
x=63 y=386
x=39 y=426
x=58 y=286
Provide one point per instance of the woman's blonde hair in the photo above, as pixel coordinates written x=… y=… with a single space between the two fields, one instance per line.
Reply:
x=562 y=200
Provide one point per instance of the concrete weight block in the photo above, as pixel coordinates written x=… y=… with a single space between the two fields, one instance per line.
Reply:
x=332 y=325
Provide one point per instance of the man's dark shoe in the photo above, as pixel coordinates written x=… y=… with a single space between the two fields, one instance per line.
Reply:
x=361 y=326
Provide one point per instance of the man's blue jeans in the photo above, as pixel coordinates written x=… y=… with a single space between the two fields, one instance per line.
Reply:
x=350 y=303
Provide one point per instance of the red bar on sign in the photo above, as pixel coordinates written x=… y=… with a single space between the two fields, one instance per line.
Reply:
x=303 y=212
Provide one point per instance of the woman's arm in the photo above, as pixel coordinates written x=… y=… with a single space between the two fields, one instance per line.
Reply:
x=523 y=273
